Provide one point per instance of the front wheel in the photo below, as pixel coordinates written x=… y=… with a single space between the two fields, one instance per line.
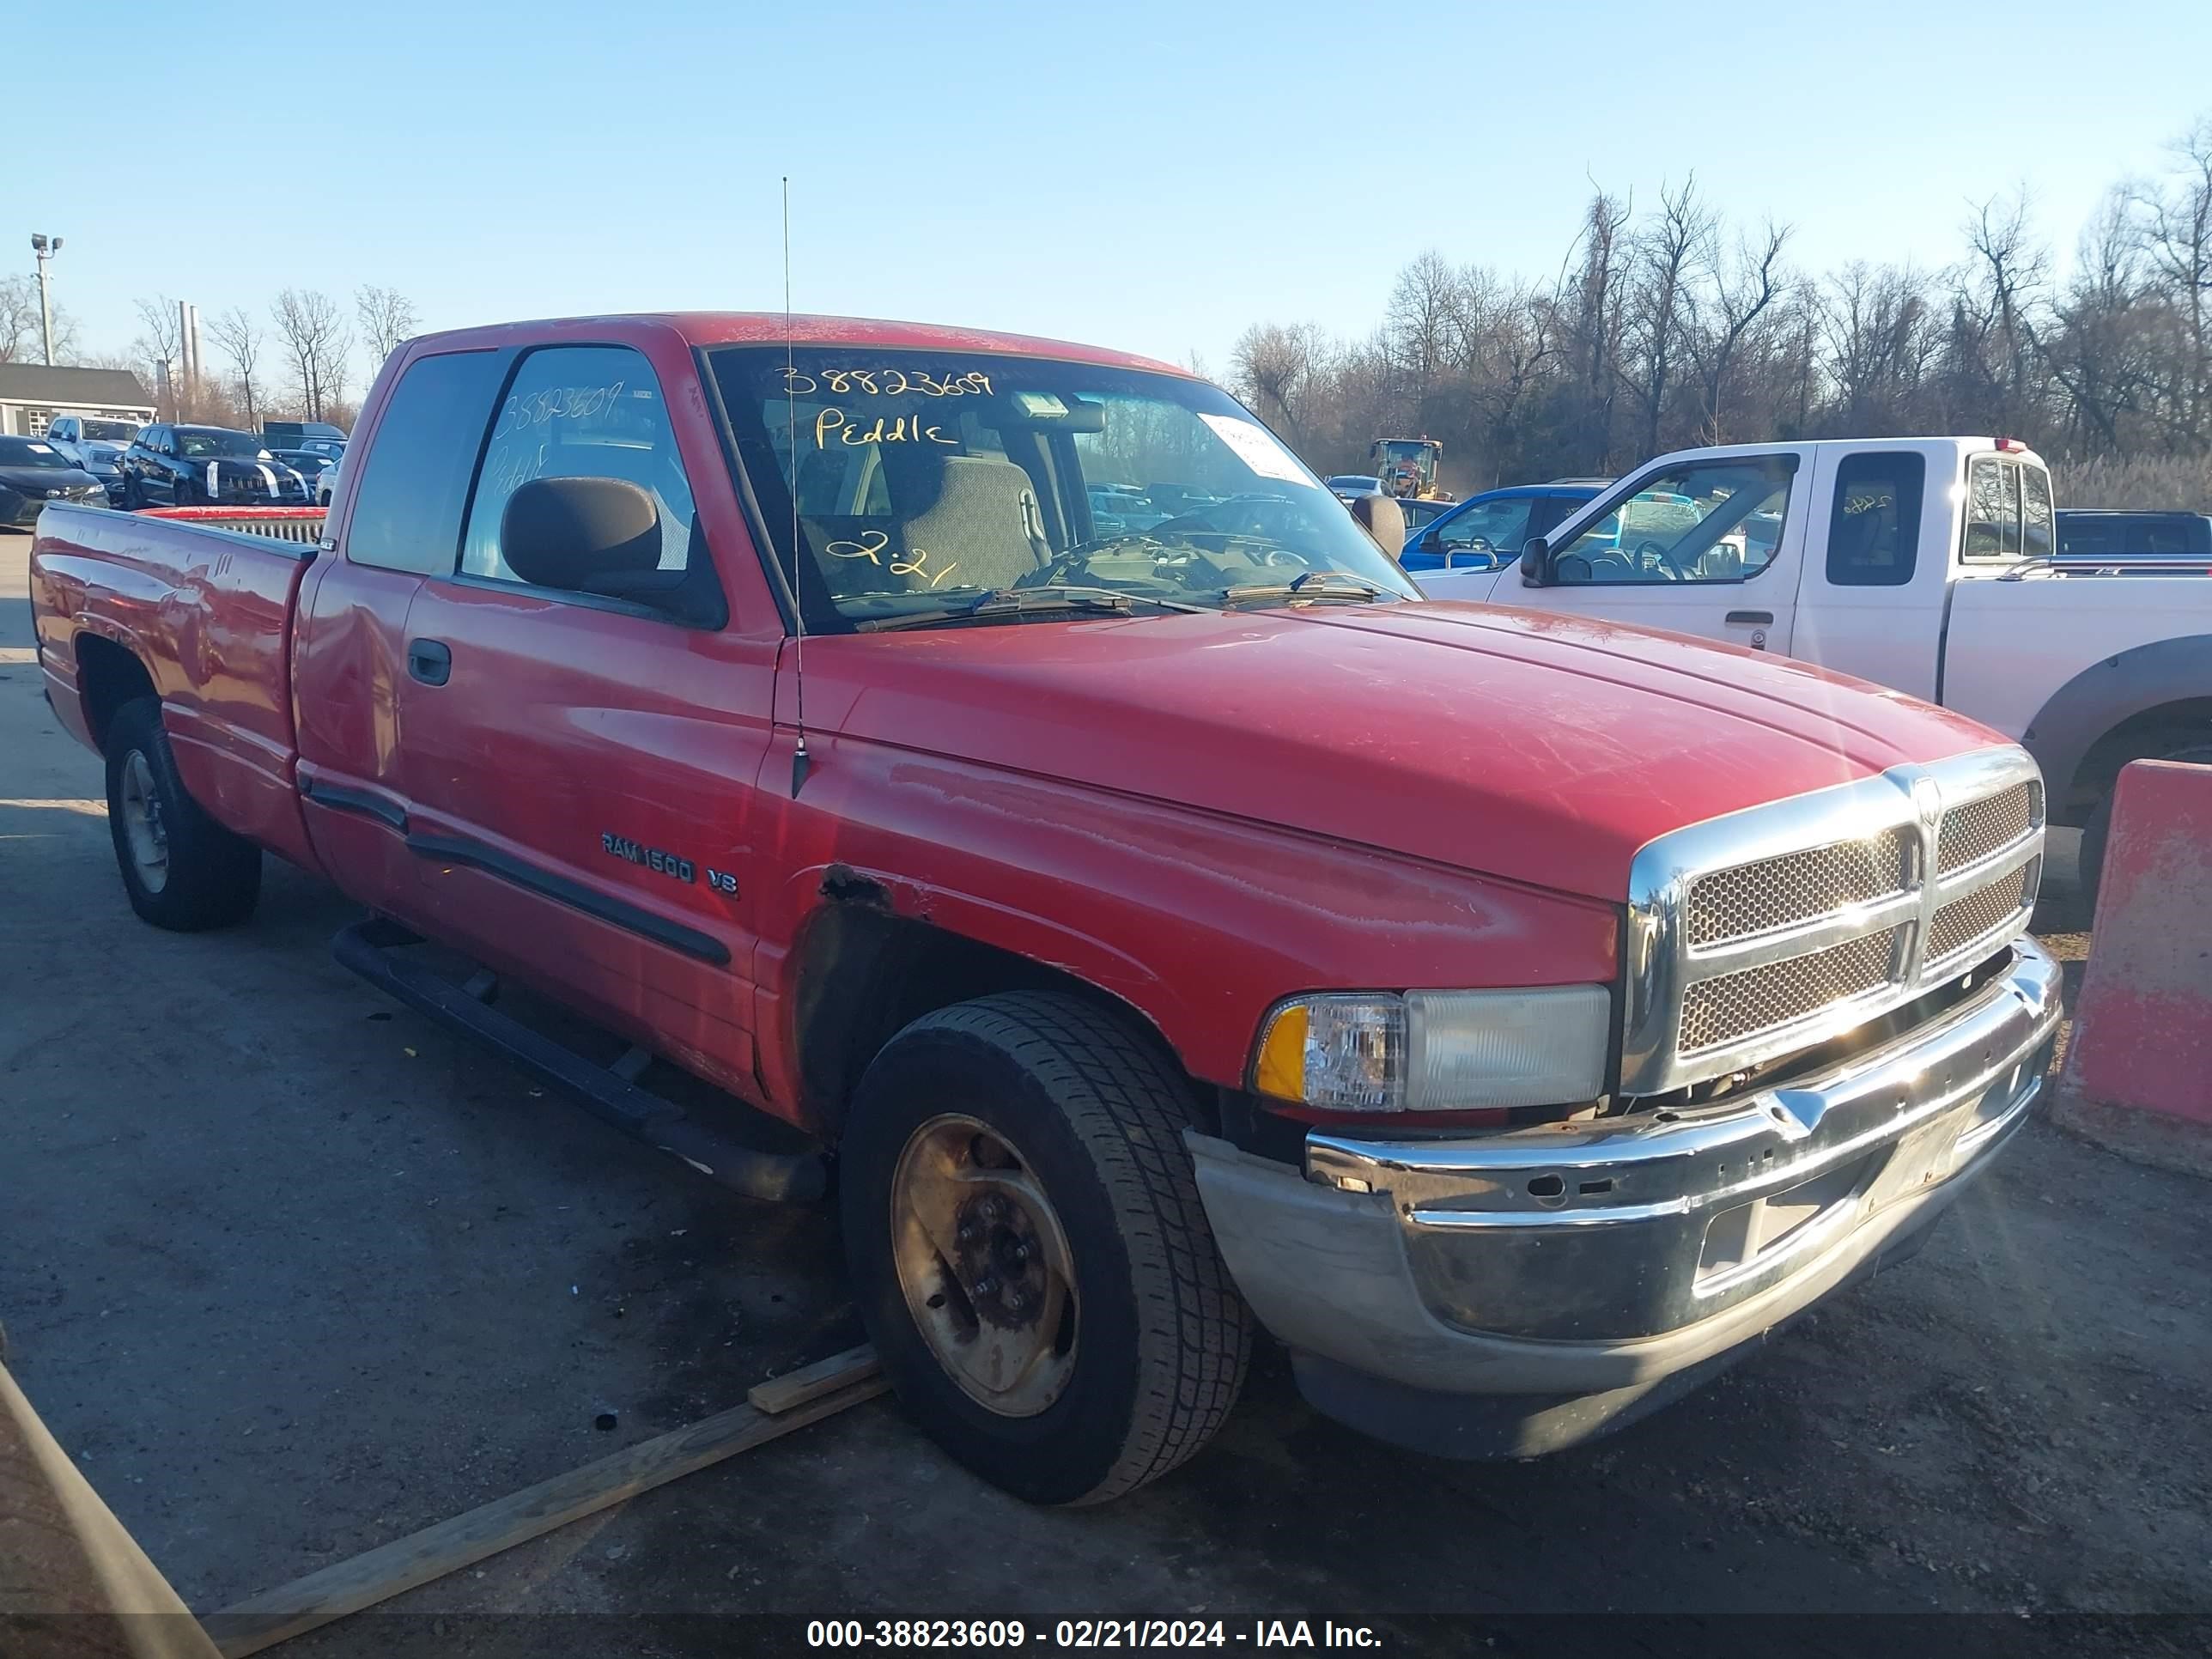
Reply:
x=181 y=869
x=1028 y=1250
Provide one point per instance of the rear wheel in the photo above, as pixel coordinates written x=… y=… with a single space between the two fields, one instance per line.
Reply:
x=2099 y=829
x=1028 y=1250
x=181 y=869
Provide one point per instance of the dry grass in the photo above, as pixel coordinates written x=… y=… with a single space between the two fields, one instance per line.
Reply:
x=2173 y=483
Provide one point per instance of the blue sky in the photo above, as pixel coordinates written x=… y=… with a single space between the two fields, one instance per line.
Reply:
x=1150 y=177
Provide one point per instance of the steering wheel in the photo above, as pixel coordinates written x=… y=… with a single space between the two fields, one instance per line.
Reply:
x=1652 y=556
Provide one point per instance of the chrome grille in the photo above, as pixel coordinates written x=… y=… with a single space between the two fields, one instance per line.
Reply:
x=1769 y=895
x=1718 y=1012
x=1973 y=832
x=1746 y=931
x=1963 y=921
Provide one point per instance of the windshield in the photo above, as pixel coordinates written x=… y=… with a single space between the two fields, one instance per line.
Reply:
x=199 y=443
x=120 y=432
x=927 y=481
x=29 y=451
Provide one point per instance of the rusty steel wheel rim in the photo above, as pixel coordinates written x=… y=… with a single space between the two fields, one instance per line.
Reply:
x=984 y=1264
x=142 y=828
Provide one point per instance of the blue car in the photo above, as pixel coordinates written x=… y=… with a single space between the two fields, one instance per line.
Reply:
x=1486 y=531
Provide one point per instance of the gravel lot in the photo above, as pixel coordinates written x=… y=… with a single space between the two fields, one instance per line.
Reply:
x=292 y=1272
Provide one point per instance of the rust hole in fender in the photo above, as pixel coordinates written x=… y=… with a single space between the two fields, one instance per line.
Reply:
x=842 y=884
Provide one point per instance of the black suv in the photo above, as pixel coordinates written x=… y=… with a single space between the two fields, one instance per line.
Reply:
x=206 y=466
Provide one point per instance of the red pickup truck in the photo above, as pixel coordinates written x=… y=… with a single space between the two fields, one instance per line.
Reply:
x=1168 y=927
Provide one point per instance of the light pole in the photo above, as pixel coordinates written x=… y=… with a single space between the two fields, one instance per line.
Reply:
x=45 y=249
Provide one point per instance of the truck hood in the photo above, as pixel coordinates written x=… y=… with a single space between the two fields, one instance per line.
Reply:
x=1539 y=748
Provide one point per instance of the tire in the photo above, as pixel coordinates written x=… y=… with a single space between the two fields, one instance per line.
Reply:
x=1045 y=1094
x=133 y=500
x=207 y=876
x=181 y=493
x=2099 y=829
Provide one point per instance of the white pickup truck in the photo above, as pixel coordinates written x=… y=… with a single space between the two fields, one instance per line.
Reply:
x=1925 y=564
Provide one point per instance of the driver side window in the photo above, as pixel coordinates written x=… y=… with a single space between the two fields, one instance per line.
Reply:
x=1496 y=527
x=1706 y=521
x=573 y=412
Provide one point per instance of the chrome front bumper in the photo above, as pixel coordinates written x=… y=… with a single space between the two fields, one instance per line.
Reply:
x=1604 y=1258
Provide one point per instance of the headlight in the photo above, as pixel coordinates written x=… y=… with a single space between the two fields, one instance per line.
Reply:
x=1435 y=1051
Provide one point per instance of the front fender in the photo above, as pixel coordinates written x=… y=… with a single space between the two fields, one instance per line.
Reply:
x=1197 y=921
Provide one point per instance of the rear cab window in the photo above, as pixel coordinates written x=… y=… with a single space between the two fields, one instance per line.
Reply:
x=1874 y=522
x=2008 y=511
x=407 y=502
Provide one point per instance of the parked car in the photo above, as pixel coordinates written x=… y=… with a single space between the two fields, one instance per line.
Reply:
x=34 y=474
x=2097 y=534
x=1485 y=531
x=298 y=434
x=1164 y=936
x=1420 y=514
x=73 y=434
x=1119 y=509
x=326 y=483
x=104 y=461
x=206 y=466
x=1922 y=563
x=1349 y=487
x=1175 y=498
x=308 y=462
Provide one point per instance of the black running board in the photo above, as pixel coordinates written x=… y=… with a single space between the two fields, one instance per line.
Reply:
x=368 y=949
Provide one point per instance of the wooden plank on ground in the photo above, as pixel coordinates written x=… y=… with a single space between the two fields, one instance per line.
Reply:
x=781 y=1394
x=346 y=1586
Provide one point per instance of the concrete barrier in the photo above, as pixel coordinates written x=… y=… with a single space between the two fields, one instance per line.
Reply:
x=2139 y=1068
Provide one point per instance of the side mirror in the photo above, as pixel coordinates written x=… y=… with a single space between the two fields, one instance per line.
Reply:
x=586 y=535
x=1432 y=543
x=1536 y=563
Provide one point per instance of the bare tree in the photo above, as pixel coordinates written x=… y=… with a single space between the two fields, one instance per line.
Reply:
x=2177 y=231
x=1276 y=368
x=314 y=339
x=1423 y=321
x=1742 y=291
x=1659 y=272
x=1673 y=327
x=387 y=321
x=1598 y=320
x=240 y=340
x=160 y=347
x=2103 y=342
x=1873 y=324
x=22 y=338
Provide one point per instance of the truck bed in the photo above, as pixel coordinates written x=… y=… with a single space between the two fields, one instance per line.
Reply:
x=2013 y=644
x=204 y=612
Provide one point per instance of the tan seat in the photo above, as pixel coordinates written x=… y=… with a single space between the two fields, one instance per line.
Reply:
x=1383 y=519
x=970 y=520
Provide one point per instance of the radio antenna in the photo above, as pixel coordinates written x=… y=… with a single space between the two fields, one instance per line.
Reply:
x=800 y=760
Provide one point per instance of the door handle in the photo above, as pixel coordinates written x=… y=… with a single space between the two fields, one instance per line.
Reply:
x=1764 y=617
x=430 y=661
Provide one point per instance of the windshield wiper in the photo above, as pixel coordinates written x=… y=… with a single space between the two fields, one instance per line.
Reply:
x=1313 y=585
x=999 y=602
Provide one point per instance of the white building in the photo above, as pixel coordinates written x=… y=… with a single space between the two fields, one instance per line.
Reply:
x=32 y=394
